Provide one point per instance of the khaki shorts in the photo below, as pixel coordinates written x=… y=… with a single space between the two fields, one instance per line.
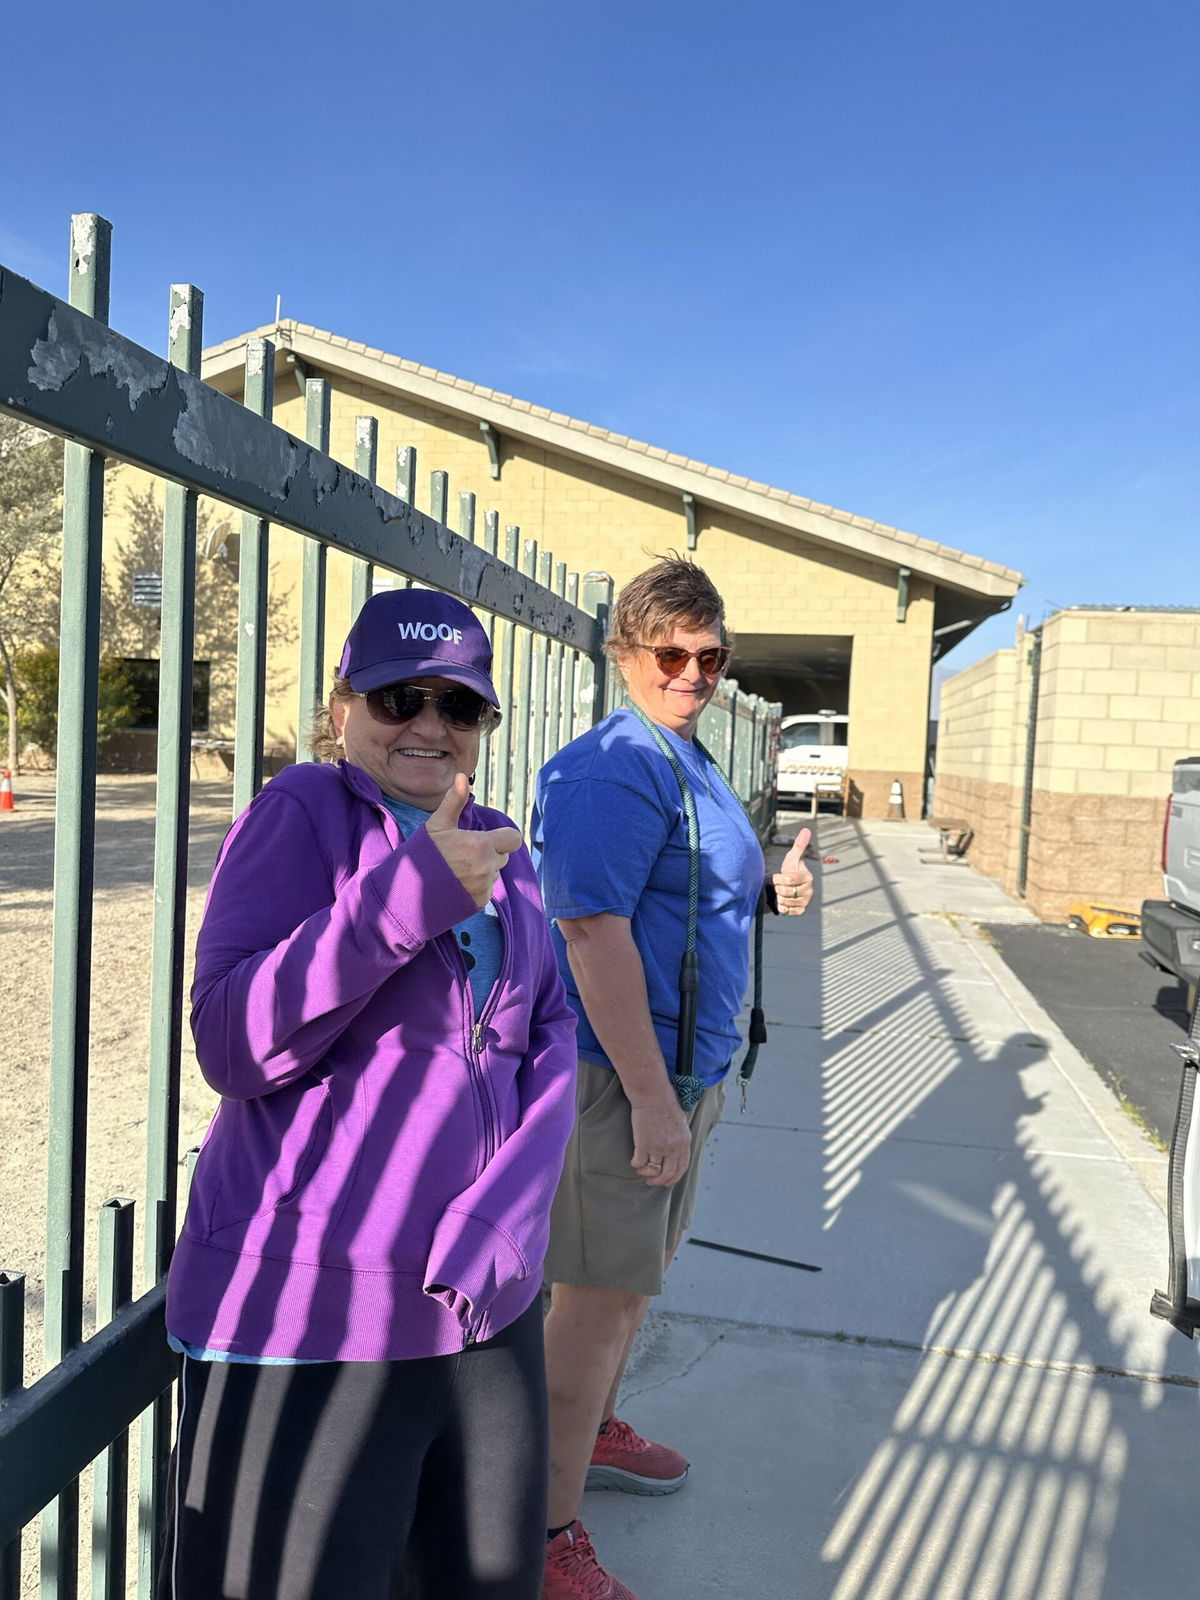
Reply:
x=608 y=1228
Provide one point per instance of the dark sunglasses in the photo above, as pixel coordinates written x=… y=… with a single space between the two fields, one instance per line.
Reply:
x=672 y=658
x=398 y=703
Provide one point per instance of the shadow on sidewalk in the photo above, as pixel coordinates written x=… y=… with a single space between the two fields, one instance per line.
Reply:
x=963 y=1208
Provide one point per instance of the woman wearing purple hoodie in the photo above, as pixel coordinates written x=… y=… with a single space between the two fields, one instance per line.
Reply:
x=355 y=1292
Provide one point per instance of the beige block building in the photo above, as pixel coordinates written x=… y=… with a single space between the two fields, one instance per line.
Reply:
x=1116 y=697
x=832 y=611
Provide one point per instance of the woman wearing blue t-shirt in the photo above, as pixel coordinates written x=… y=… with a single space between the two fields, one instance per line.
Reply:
x=615 y=857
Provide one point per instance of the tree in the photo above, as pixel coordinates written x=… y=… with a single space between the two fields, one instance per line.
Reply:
x=37 y=674
x=30 y=539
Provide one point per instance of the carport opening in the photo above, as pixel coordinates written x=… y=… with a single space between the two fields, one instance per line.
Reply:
x=806 y=673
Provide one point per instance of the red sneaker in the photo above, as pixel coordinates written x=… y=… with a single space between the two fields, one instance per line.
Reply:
x=622 y=1459
x=573 y=1573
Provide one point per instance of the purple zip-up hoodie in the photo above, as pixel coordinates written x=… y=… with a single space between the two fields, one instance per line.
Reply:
x=376 y=1182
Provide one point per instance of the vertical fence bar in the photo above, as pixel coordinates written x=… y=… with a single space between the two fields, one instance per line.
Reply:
x=540 y=706
x=597 y=599
x=523 y=644
x=406 y=481
x=506 y=635
x=439 y=496
x=111 y=1467
x=366 y=461
x=487 y=749
x=12 y=1377
x=313 y=562
x=74 y=860
x=569 y=709
x=557 y=674
x=406 y=473
x=252 y=603
x=176 y=649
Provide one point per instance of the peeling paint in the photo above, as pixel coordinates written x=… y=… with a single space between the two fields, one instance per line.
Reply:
x=74 y=339
x=212 y=433
x=363 y=432
x=256 y=357
x=324 y=474
x=83 y=243
x=471 y=567
x=181 y=313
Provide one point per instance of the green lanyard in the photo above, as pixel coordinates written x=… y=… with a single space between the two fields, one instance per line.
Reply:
x=688 y=1087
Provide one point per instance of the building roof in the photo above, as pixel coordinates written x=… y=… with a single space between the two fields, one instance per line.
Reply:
x=710 y=486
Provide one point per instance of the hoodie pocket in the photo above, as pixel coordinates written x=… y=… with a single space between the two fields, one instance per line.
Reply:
x=265 y=1151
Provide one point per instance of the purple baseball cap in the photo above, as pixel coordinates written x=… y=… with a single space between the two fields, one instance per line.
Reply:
x=417 y=633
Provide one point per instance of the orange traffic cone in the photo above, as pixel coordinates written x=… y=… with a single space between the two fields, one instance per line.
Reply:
x=895 y=810
x=6 y=790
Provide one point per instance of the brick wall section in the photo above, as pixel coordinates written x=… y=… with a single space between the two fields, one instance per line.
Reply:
x=1119 y=703
x=593 y=518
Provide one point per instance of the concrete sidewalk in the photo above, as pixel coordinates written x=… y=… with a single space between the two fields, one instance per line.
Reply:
x=946 y=1382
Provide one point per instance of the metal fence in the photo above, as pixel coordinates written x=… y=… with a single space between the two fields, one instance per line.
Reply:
x=64 y=370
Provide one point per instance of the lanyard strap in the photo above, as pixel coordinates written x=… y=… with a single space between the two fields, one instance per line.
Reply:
x=688 y=1087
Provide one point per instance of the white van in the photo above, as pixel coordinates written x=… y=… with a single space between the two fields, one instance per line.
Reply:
x=811 y=746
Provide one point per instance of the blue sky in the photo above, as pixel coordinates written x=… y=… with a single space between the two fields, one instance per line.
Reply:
x=932 y=263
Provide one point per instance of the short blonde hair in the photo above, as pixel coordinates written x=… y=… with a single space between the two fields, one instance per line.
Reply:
x=673 y=593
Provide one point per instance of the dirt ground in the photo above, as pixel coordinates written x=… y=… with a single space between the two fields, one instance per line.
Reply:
x=117 y=1102
x=123 y=926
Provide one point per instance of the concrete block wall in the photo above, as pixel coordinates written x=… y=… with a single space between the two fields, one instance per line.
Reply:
x=981 y=746
x=1118 y=704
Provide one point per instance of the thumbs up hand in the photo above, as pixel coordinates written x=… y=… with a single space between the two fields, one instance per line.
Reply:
x=474 y=857
x=793 y=882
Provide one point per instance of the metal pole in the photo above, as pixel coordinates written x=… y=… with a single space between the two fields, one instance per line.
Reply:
x=111 y=1467
x=597 y=598
x=366 y=460
x=487 y=753
x=313 y=561
x=523 y=642
x=12 y=1378
x=74 y=853
x=1035 y=676
x=252 y=603
x=505 y=681
x=185 y=342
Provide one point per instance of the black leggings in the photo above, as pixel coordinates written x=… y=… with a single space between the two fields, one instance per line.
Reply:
x=363 y=1480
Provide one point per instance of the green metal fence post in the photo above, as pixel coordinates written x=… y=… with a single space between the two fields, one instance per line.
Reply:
x=569 y=708
x=597 y=598
x=523 y=643
x=406 y=473
x=12 y=1377
x=111 y=1469
x=506 y=638
x=540 y=704
x=74 y=852
x=252 y=603
x=366 y=460
x=176 y=649
x=439 y=496
x=312 y=577
x=485 y=787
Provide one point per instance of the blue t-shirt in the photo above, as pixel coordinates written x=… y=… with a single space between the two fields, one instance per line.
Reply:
x=608 y=834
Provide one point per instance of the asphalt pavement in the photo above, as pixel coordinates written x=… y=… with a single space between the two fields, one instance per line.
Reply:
x=1120 y=1013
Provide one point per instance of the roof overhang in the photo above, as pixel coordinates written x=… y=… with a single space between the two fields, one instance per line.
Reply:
x=991 y=588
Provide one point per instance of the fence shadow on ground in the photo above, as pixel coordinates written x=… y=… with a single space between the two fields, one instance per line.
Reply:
x=1011 y=1468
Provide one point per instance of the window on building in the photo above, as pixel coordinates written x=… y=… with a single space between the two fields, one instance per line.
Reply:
x=144 y=674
